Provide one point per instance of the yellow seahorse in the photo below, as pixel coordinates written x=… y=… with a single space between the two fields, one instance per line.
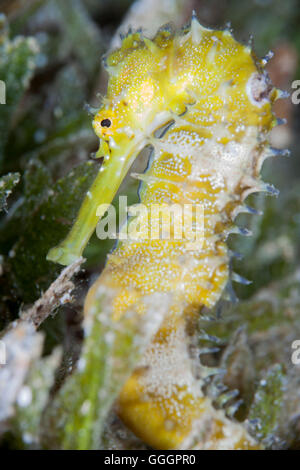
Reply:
x=212 y=101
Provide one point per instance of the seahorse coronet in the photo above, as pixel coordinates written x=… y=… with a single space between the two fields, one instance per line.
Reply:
x=203 y=102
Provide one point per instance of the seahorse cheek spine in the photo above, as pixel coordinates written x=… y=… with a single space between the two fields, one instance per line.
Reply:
x=218 y=100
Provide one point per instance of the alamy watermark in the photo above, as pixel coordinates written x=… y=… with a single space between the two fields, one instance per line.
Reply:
x=2 y=353
x=295 y=358
x=295 y=95
x=2 y=92
x=152 y=222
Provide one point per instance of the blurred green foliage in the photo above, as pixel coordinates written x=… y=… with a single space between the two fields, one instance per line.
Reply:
x=267 y=406
x=45 y=216
x=17 y=64
x=27 y=420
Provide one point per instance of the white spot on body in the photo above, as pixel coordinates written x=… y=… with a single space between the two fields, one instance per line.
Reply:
x=25 y=397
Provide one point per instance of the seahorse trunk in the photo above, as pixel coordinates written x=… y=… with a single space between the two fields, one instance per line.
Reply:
x=163 y=402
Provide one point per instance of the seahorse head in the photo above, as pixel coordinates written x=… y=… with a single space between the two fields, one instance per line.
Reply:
x=141 y=97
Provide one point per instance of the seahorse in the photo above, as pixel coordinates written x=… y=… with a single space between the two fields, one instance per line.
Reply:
x=203 y=102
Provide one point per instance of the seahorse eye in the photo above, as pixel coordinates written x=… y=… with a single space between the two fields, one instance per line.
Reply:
x=106 y=123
